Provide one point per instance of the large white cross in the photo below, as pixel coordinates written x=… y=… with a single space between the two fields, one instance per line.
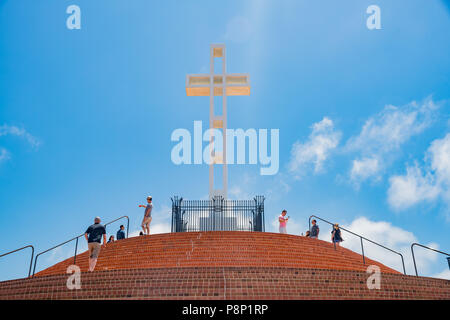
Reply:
x=218 y=84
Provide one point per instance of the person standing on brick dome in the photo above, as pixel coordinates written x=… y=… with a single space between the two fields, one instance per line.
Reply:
x=147 y=215
x=336 y=235
x=93 y=236
x=314 y=233
x=283 y=221
x=121 y=233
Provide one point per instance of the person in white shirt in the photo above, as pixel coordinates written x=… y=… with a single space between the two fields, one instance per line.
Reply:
x=147 y=215
x=283 y=221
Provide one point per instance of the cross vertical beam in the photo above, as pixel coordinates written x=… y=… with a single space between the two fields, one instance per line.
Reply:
x=218 y=84
x=217 y=51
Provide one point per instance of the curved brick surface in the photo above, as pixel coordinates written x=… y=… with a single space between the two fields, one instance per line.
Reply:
x=224 y=265
x=226 y=283
x=220 y=249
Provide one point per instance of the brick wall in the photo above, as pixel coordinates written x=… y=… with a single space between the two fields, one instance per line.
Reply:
x=220 y=249
x=224 y=265
x=226 y=283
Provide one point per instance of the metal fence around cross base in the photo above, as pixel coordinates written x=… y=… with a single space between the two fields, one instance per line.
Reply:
x=217 y=214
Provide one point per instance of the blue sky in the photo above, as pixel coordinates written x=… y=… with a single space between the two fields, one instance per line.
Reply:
x=364 y=116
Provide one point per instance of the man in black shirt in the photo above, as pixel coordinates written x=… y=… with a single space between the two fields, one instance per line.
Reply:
x=93 y=236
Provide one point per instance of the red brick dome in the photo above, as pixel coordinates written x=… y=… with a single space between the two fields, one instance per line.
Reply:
x=224 y=265
x=220 y=249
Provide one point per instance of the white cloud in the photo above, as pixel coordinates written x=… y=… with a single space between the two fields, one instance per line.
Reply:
x=237 y=193
x=393 y=126
x=412 y=188
x=62 y=253
x=278 y=187
x=4 y=155
x=322 y=141
x=384 y=133
x=440 y=158
x=19 y=132
x=240 y=191
x=364 y=168
x=390 y=236
x=445 y=274
x=423 y=184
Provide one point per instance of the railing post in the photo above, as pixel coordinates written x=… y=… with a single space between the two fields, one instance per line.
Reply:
x=309 y=224
x=128 y=225
x=31 y=261
x=403 y=263
x=35 y=261
x=448 y=260
x=75 y=255
x=362 y=248
x=261 y=217
x=414 y=259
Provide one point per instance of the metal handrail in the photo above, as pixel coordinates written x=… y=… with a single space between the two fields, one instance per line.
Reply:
x=128 y=222
x=76 y=244
x=32 y=254
x=421 y=245
x=361 y=238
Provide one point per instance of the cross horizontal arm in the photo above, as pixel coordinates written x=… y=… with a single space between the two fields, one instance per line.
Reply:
x=236 y=84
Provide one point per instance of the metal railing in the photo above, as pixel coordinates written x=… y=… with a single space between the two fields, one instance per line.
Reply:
x=32 y=254
x=76 y=243
x=361 y=239
x=217 y=214
x=421 y=245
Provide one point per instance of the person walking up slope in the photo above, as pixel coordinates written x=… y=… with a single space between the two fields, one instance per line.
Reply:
x=93 y=236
